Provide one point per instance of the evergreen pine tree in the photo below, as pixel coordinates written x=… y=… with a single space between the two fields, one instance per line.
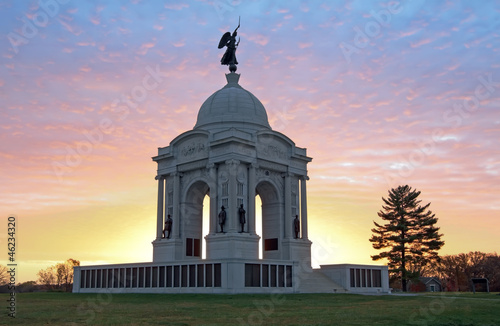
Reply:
x=410 y=239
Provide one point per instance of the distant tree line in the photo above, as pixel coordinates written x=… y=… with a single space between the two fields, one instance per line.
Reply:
x=456 y=271
x=58 y=277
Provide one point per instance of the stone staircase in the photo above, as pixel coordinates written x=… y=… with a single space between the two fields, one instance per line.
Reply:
x=314 y=281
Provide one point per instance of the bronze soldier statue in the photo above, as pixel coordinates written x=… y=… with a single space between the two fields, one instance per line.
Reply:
x=296 y=226
x=241 y=213
x=168 y=227
x=222 y=219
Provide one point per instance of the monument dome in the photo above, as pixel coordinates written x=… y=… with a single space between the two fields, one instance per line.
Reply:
x=232 y=106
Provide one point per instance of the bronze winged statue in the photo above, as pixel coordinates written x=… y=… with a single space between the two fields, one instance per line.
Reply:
x=229 y=57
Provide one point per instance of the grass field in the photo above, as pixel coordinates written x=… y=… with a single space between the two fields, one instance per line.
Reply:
x=291 y=309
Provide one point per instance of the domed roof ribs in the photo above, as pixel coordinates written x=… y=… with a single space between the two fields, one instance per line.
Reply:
x=254 y=104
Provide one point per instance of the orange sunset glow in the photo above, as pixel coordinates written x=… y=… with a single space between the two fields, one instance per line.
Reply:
x=381 y=93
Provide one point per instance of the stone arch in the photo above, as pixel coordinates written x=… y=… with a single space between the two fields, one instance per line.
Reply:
x=192 y=217
x=272 y=208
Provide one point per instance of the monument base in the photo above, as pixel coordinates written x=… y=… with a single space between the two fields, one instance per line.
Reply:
x=167 y=250
x=232 y=245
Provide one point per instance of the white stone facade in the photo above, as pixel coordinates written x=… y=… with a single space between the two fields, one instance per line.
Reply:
x=357 y=278
x=231 y=155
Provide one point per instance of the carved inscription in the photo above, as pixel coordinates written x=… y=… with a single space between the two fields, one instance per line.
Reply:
x=274 y=151
x=193 y=149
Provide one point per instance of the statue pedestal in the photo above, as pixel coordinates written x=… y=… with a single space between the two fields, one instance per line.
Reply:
x=232 y=245
x=297 y=250
x=167 y=250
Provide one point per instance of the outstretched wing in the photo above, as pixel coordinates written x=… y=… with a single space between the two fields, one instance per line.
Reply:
x=224 y=39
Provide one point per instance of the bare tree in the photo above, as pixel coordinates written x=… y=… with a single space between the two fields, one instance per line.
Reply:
x=59 y=275
x=4 y=276
x=65 y=273
x=47 y=277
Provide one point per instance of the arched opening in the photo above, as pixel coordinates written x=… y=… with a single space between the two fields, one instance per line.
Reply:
x=258 y=221
x=195 y=219
x=205 y=225
x=270 y=211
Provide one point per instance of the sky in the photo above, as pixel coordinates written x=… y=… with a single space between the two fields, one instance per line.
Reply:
x=381 y=93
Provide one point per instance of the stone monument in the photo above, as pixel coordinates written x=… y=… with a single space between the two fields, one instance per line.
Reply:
x=231 y=155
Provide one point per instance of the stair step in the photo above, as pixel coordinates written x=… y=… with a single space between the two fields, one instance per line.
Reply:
x=316 y=282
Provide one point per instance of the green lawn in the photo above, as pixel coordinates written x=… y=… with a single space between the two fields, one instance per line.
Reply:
x=291 y=309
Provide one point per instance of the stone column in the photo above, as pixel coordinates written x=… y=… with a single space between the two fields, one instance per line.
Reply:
x=159 y=214
x=251 y=199
x=288 y=206
x=176 y=206
x=303 y=206
x=232 y=210
x=213 y=199
x=165 y=201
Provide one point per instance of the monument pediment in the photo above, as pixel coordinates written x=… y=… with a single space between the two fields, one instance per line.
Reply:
x=232 y=132
x=271 y=146
x=190 y=146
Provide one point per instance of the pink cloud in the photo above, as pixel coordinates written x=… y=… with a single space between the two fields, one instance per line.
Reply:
x=305 y=45
x=179 y=44
x=145 y=48
x=73 y=30
x=124 y=31
x=453 y=67
x=176 y=6
x=85 y=43
x=420 y=43
x=95 y=20
x=259 y=39
x=85 y=69
x=444 y=46
x=391 y=119
x=409 y=32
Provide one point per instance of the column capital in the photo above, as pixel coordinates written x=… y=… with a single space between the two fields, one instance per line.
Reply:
x=287 y=174
x=160 y=177
x=254 y=165
x=210 y=166
x=304 y=177
x=176 y=174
